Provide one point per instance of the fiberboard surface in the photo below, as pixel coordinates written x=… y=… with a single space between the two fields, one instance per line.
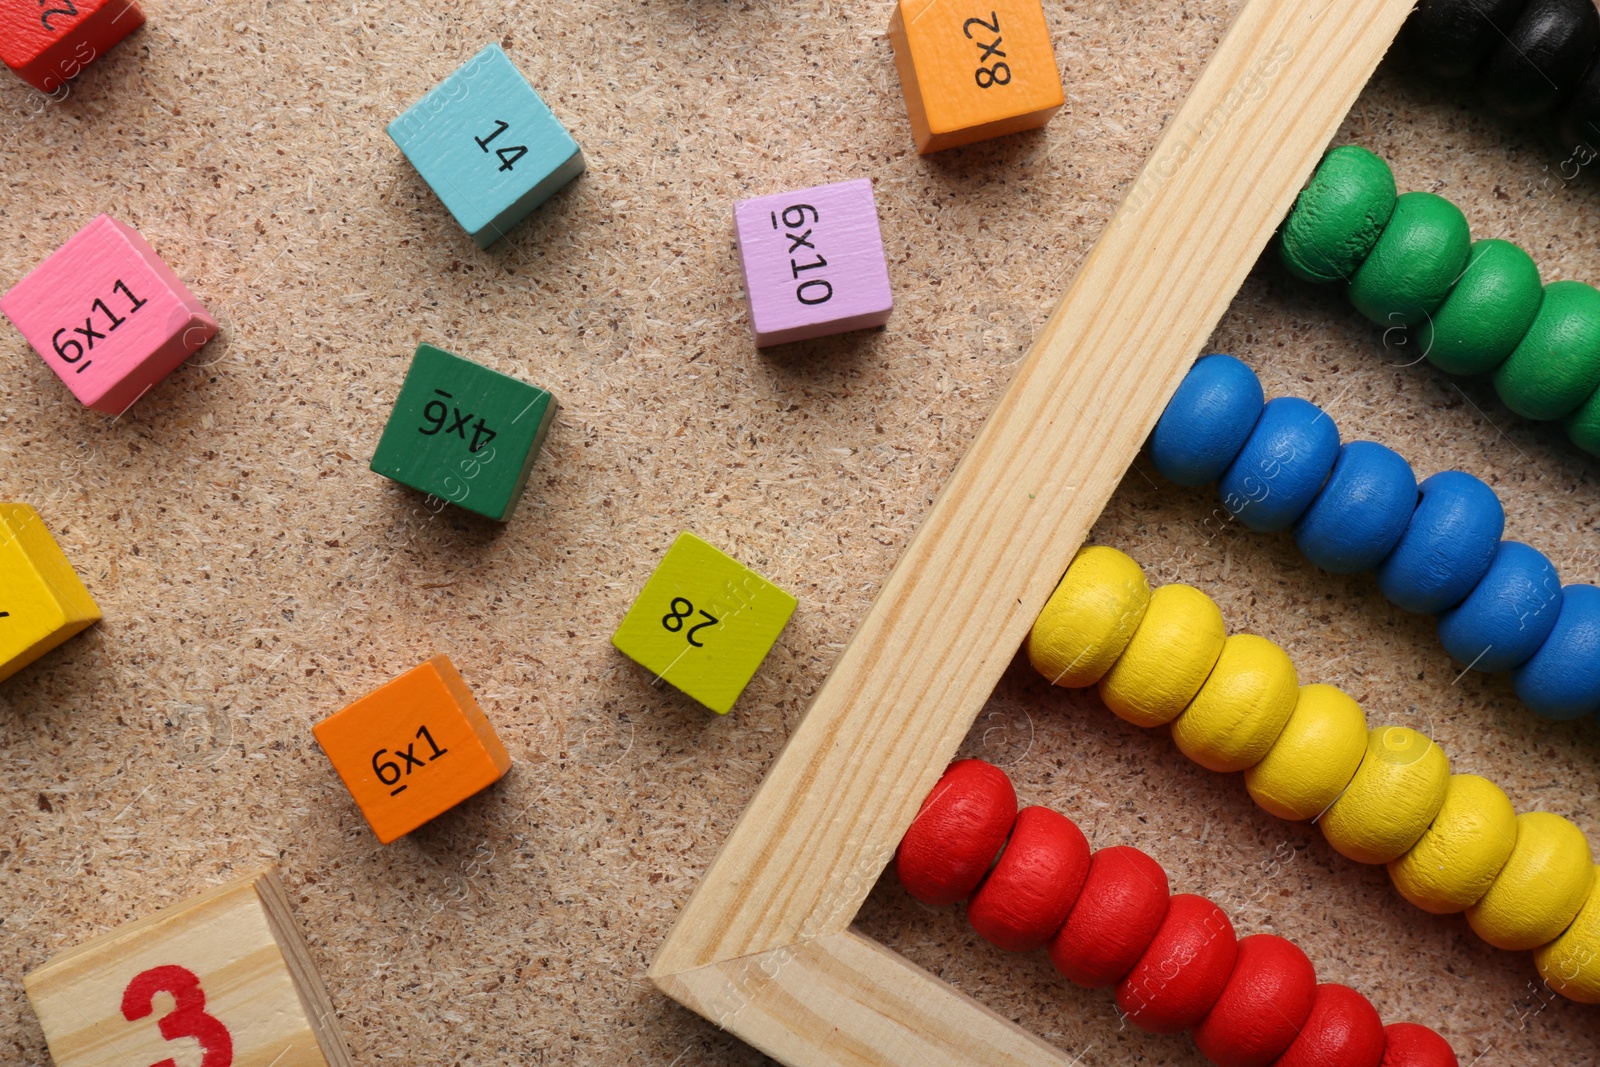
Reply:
x=255 y=576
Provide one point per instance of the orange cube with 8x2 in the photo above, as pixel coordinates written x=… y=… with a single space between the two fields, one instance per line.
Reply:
x=971 y=73
x=413 y=749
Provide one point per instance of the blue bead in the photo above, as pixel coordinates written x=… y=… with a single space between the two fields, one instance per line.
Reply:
x=1562 y=680
x=1360 y=514
x=1282 y=466
x=1207 y=421
x=1448 y=544
x=1508 y=614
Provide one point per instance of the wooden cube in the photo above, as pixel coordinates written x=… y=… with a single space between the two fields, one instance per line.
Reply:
x=487 y=145
x=108 y=316
x=42 y=602
x=47 y=43
x=464 y=432
x=813 y=262
x=220 y=980
x=971 y=73
x=704 y=622
x=413 y=748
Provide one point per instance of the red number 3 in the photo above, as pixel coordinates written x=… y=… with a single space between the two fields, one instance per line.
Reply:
x=188 y=1016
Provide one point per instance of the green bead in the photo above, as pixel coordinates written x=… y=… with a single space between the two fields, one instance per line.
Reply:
x=1418 y=258
x=1486 y=314
x=1583 y=425
x=1338 y=216
x=1556 y=367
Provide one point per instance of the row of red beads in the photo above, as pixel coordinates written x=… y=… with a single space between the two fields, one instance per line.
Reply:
x=1110 y=919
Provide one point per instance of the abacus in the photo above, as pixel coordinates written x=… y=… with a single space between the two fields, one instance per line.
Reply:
x=764 y=947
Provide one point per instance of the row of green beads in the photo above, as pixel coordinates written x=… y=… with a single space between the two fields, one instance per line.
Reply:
x=1474 y=307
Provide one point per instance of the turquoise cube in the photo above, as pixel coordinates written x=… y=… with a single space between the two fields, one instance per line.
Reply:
x=487 y=145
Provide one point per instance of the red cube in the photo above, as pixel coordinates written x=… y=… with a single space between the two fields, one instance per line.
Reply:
x=47 y=42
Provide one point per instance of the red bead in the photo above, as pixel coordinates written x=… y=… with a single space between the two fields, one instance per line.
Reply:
x=958 y=833
x=1343 y=1030
x=1026 y=897
x=49 y=43
x=1414 y=1045
x=1182 y=973
x=1118 y=911
x=1267 y=999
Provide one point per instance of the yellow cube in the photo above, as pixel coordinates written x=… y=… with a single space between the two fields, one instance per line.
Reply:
x=42 y=602
x=704 y=622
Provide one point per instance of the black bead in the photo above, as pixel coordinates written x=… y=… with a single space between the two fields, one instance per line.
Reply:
x=1549 y=49
x=1579 y=124
x=1451 y=39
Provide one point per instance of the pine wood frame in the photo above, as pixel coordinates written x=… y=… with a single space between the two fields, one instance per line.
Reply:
x=764 y=946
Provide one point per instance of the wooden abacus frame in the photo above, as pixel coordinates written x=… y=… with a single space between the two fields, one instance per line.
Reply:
x=764 y=946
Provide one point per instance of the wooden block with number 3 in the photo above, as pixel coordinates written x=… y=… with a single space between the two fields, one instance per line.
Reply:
x=413 y=749
x=973 y=69
x=221 y=980
x=704 y=622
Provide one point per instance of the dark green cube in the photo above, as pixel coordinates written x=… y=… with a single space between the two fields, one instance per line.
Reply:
x=464 y=432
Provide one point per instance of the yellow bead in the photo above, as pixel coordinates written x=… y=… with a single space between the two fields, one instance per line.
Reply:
x=1089 y=619
x=1395 y=794
x=1314 y=758
x=1571 y=963
x=1452 y=865
x=1541 y=887
x=1242 y=708
x=1171 y=653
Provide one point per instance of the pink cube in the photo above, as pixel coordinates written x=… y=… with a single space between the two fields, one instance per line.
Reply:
x=108 y=316
x=813 y=262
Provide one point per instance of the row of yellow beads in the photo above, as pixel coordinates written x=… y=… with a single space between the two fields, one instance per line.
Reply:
x=1452 y=842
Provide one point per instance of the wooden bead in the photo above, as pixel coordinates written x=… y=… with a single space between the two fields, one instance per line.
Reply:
x=1183 y=972
x=1542 y=59
x=1027 y=896
x=1541 y=887
x=1448 y=40
x=1454 y=862
x=1122 y=903
x=1508 y=614
x=1448 y=544
x=1090 y=618
x=957 y=834
x=1314 y=758
x=1395 y=794
x=1207 y=421
x=1486 y=314
x=1415 y=1045
x=1571 y=963
x=1562 y=679
x=1583 y=425
x=1415 y=262
x=1555 y=368
x=1343 y=1030
x=1242 y=707
x=1282 y=465
x=1169 y=658
x=1338 y=216
x=1267 y=999
x=1359 y=514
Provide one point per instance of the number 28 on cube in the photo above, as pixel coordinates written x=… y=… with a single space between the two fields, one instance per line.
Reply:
x=704 y=622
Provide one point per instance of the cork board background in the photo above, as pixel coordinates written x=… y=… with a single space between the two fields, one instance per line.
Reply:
x=255 y=576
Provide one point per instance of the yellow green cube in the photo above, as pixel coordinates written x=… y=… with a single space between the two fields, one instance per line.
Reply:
x=704 y=622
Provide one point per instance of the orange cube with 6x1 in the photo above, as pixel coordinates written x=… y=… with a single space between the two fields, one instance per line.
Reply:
x=974 y=69
x=413 y=749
